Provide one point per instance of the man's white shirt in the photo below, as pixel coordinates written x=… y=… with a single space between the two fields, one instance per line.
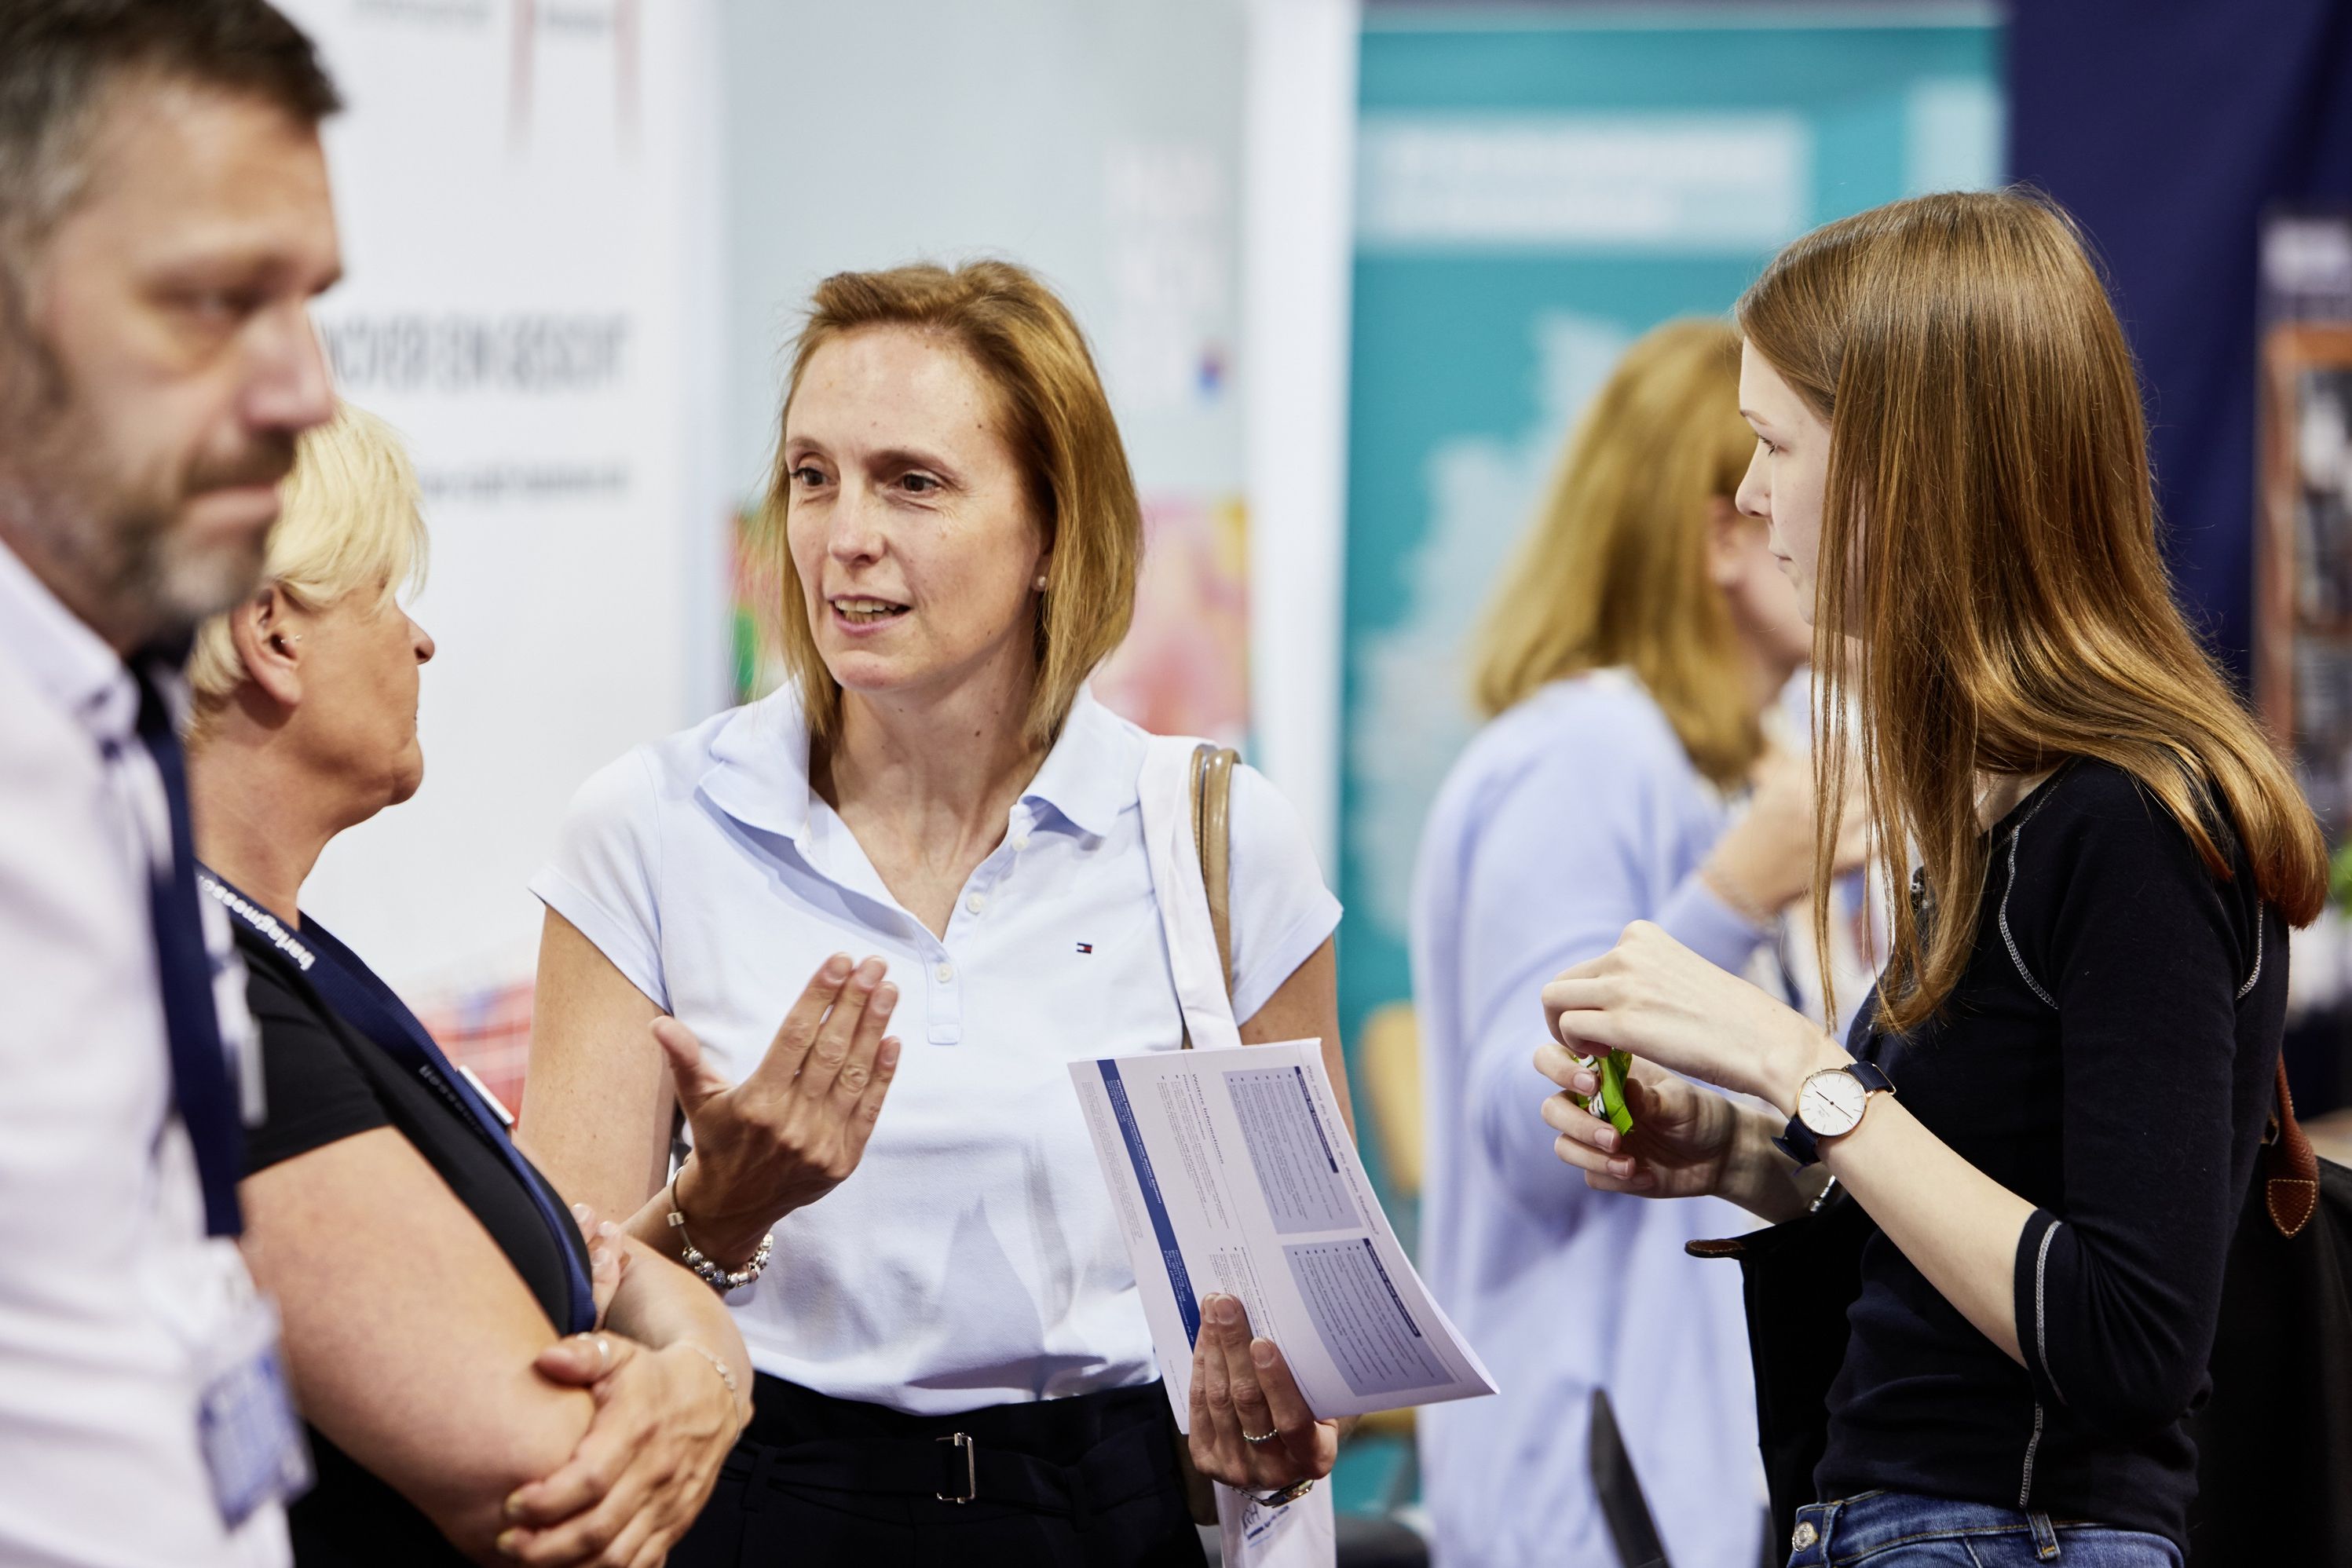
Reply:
x=108 y=1286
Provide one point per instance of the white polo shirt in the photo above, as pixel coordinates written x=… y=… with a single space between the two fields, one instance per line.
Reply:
x=972 y=1259
x=108 y=1289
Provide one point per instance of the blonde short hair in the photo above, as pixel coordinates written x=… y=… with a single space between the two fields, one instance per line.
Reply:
x=1052 y=415
x=348 y=523
x=1614 y=570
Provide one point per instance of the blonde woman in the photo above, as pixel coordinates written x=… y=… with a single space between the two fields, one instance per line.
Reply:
x=954 y=1366
x=2048 y=1112
x=427 y=1272
x=1629 y=661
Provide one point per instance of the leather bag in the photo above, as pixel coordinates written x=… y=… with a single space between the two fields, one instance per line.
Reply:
x=2275 y=1440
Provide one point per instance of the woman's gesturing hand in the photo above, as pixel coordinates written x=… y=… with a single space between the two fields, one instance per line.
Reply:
x=665 y=1421
x=797 y=1126
x=1653 y=997
x=1242 y=1390
x=1682 y=1136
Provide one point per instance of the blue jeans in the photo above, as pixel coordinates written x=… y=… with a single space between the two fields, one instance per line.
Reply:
x=1904 y=1530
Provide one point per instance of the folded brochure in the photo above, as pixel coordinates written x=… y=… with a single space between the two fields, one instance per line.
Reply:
x=1232 y=1172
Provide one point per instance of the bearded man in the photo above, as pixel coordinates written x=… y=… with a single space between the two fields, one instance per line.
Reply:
x=164 y=223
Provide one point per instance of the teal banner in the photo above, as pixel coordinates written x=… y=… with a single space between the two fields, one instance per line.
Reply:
x=1531 y=198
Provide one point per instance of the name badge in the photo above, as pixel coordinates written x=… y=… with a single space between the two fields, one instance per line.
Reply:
x=244 y=1418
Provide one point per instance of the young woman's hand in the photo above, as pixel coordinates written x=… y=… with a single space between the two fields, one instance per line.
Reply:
x=1682 y=1139
x=797 y=1124
x=1252 y=1428
x=1653 y=997
x=665 y=1421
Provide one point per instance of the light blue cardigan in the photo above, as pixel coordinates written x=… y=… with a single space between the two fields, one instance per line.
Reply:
x=1568 y=818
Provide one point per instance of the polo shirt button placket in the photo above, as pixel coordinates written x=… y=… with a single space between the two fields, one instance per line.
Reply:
x=946 y=1004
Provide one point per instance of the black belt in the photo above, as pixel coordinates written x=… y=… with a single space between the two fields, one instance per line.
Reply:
x=961 y=1469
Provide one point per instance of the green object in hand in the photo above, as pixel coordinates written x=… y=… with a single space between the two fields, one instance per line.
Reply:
x=1613 y=1068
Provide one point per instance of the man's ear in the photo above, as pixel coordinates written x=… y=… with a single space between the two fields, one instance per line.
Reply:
x=266 y=631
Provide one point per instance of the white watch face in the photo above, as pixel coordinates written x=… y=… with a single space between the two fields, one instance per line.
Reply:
x=1830 y=1102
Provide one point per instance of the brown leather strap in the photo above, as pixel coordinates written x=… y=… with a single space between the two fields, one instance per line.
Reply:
x=1212 y=779
x=1213 y=787
x=2290 y=1168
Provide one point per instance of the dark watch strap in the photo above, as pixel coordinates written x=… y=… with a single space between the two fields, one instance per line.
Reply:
x=1797 y=1141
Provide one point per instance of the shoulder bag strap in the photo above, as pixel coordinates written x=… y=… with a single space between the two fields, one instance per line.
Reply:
x=1183 y=830
x=1184 y=790
x=1213 y=841
x=2290 y=1166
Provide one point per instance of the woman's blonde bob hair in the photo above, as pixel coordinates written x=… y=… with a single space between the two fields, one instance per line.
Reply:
x=1990 y=590
x=348 y=523
x=1614 y=570
x=1053 y=417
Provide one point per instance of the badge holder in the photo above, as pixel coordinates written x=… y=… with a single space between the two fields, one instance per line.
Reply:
x=246 y=1424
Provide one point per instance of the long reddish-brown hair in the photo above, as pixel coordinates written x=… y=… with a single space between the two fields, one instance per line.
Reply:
x=1989 y=589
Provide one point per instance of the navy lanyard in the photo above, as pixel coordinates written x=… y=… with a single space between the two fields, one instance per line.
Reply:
x=201 y=1090
x=367 y=1005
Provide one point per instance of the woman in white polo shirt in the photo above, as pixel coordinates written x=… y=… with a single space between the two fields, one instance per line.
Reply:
x=935 y=793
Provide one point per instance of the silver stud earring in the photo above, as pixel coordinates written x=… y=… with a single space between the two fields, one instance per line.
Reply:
x=1040 y=583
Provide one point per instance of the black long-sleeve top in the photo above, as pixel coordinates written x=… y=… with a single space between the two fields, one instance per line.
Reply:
x=2108 y=1055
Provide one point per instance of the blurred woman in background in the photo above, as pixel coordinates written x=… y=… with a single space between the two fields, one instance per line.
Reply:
x=425 y=1271
x=1629 y=663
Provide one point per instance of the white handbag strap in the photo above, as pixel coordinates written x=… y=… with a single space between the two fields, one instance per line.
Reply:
x=1165 y=789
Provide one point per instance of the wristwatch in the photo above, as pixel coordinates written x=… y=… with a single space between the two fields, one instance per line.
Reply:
x=1829 y=1102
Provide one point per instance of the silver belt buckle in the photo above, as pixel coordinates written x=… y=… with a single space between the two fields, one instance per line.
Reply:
x=962 y=1441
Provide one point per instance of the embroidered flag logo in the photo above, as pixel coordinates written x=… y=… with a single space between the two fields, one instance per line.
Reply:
x=1085 y=946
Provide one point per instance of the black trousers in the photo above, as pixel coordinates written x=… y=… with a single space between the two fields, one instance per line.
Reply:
x=1085 y=1482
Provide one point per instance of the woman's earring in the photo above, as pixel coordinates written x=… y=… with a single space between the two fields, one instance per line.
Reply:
x=1040 y=584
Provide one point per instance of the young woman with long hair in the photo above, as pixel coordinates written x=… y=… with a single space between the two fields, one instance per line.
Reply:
x=1632 y=651
x=2048 y=1112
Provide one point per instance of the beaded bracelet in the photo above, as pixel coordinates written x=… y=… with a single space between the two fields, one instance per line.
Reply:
x=717 y=1276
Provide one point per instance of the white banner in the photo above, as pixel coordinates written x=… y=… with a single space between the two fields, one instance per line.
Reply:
x=528 y=192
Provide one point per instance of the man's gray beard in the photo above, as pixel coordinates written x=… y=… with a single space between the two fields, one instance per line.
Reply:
x=114 y=557
x=179 y=587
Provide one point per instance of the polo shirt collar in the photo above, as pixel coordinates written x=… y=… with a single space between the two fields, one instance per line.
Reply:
x=759 y=772
x=1089 y=777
